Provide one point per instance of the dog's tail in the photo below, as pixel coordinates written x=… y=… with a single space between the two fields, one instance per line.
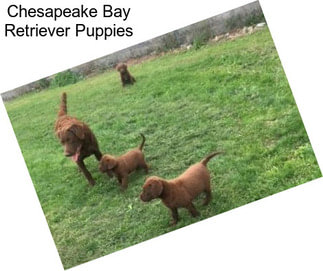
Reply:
x=63 y=108
x=143 y=142
x=209 y=157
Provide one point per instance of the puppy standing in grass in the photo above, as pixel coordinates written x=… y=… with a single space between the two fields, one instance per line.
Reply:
x=123 y=165
x=181 y=191
x=78 y=139
x=126 y=77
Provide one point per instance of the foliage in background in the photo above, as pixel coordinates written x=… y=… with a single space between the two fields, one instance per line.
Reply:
x=235 y=22
x=65 y=78
x=169 y=42
x=255 y=18
x=43 y=84
x=201 y=35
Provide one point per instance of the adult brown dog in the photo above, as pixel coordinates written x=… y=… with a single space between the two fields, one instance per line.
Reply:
x=123 y=165
x=77 y=138
x=126 y=77
x=181 y=191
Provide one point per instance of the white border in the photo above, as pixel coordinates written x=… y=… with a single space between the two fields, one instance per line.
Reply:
x=281 y=232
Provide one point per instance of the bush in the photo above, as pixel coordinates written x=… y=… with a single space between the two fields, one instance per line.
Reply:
x=255 y=18
x=65 y=78
x=202 y=34
x=200 y=40
x=235 y=22
x=43 y=84
x=169 y=42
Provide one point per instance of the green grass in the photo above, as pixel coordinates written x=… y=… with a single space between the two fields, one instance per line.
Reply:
x=230 y=96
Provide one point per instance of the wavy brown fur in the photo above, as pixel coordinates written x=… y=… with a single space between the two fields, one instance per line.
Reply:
x=77 y=138
x=63 y=108
x=125 y=76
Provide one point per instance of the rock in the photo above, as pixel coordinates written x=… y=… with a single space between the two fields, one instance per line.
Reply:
x=183 y=46
x=260 y=25
x=217 y=38
x=188 y=46
x=250 y=29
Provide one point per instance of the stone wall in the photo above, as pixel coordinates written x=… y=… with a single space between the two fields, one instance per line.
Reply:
x=211 y=27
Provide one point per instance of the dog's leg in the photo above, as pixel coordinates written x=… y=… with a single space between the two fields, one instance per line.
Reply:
x=110 y=173
x=98 y=155
x=86 y=173
x=174 y=215
x=192 y=210
x=145 y=166
x=124 y=183
x=119 y=180
x=208 y=196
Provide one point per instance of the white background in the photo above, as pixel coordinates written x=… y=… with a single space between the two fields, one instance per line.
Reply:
x=281 y=232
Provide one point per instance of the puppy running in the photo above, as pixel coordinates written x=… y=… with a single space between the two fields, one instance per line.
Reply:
x=181 y=191
x=126 y=77
x=123 y=165
x=77 y=138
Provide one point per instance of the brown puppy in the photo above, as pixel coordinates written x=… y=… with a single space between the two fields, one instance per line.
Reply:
x=78 y=140
x=181 y=191
x=126 y=77
x=123 y=165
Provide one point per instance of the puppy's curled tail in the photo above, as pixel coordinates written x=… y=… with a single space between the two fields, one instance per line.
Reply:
x=63 y=108
x=209 y=157
x=143 y=142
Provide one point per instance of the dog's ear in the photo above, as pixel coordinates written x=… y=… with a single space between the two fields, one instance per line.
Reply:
x=103 y=165
x=119 y=67
x=60 y=133
x=111 y=163
x=77 y=130
x=156 y=187
x=107 y=163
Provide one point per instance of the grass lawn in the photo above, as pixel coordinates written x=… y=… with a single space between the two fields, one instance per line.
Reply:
x=230 y=96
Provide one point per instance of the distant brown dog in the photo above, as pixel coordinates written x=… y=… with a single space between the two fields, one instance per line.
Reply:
x=78 y=140
x=181 y=191
x=123 y=165
x=126 y=77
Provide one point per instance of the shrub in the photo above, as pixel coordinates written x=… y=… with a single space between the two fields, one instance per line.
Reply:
x=202 y=33
x=65 y=78
x=237 y=21
x=255 y=18
x=169 y=42
x=43 y=83
x=234 y=22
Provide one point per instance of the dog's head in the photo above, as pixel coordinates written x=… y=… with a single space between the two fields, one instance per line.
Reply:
x=107 y=162
x=72 y=138
x=152 y=188
x=122 y=68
